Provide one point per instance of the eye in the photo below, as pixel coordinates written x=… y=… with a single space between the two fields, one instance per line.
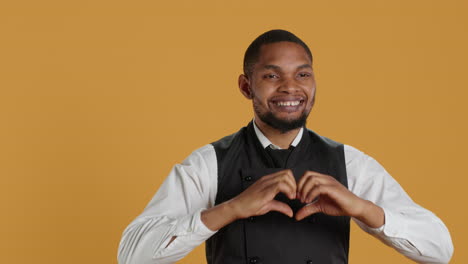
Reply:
x=304 y=75
x=270 y=76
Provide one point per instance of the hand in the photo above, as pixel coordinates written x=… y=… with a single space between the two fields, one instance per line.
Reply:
x=258 y=199
x=325 y=194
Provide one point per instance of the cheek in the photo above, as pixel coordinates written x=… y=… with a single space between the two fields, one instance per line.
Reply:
x=258 y=96
x=259 y=101
x=311 y=99
x=312 y=94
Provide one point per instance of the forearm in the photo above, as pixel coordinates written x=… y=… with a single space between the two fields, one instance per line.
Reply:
x=409 y=228
x=372 y=215
x=143 y=238
x=219 y=216
x=418 y=234
x=170 y=226
x=146 y=241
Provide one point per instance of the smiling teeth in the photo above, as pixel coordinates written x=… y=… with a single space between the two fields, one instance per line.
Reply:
x=289 y=103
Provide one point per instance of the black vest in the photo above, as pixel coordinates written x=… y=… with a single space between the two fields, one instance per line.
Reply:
x=275 y=238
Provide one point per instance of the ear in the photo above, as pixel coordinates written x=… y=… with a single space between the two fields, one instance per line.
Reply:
x=244 y=86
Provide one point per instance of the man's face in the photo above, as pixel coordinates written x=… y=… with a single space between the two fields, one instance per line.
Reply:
x=282 y=86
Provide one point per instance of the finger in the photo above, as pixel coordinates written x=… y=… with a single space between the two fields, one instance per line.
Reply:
x=309 y=185
x=313 y=174
x=314 y=193
x=278 y=206
x=303 y=179
x=308 y=175
x=281 y=175
x=288 y=176
x=281 y=186
x=307 y=210
x=313 y=182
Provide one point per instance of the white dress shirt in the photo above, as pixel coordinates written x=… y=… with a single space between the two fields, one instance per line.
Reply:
x=191 y=187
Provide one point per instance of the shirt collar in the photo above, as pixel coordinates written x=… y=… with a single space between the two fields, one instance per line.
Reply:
x=266 y=142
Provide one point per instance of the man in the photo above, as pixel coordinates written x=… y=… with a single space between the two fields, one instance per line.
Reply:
x=276 y=192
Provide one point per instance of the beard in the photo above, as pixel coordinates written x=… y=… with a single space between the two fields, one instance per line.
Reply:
x=280 y=124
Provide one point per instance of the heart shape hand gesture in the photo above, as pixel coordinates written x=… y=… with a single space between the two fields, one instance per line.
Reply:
x=319 y=193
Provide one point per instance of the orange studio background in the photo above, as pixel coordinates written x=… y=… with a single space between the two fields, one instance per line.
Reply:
x=99 y=99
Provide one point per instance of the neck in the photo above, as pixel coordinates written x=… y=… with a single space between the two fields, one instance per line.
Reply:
x=282 y=140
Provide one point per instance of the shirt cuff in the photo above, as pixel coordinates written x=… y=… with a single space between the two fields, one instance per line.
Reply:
x=376 y=230
x=193 y=225
x=394 y=232
x=190 y=232
x=392 y=226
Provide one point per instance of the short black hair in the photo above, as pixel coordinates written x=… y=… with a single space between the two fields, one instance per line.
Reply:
x=276 y=35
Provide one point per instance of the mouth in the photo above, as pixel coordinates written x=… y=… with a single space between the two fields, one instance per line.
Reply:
x=288 y=105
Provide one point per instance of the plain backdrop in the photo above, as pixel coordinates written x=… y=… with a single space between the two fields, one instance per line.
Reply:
x=99 y=99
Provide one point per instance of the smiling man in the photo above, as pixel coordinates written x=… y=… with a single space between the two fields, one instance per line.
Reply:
x=275 y=191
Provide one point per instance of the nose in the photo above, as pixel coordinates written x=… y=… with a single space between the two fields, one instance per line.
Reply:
x=288 y=85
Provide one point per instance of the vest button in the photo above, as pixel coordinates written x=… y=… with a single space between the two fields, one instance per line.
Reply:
x=251 y=219
x=248 y=178
x=254 y=260
x=309 y=262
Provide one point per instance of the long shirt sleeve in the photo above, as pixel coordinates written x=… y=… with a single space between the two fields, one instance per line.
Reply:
x=410 y=229
x=174 y=211
x=191 y=187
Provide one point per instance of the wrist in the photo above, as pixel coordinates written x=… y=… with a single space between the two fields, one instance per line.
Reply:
x=232 y=210
x=218 y=216
x=371 y=214
x=364 y=208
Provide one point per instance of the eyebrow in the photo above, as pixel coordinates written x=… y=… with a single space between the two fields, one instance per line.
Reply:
x=305 y=66
x=276 y=67
x=272 y=67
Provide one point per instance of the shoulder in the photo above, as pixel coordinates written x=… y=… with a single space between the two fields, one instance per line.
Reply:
x=332 y=149
x=228 y=146
x=204 y=151
x=353 y=155
x=201 y=157
x=209 y=153
x=325 y=140
x=227 y=141
x=360 y=159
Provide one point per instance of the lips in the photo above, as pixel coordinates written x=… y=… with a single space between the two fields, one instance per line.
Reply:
x=287 y=104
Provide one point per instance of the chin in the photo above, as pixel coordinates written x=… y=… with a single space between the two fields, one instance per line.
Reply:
x=284 y=125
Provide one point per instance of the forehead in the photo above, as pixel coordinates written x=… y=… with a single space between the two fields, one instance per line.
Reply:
x=283 y=53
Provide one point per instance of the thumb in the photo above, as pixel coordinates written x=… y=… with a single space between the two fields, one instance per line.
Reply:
x=281 y=207
x=307 y=210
